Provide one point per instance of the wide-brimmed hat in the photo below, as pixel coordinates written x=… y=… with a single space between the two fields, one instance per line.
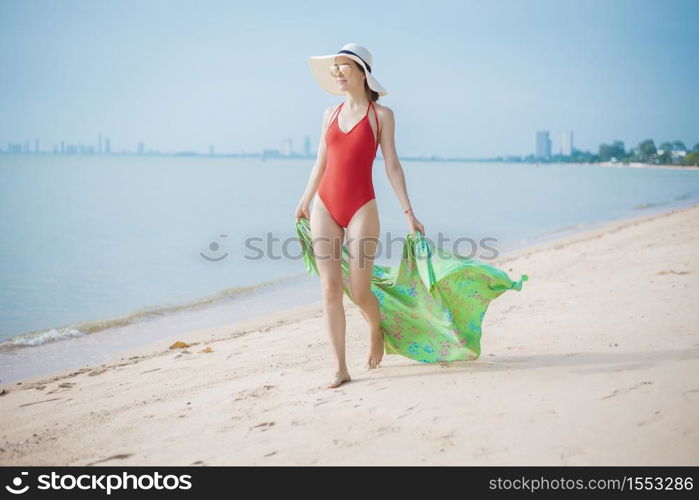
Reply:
x=320 y=68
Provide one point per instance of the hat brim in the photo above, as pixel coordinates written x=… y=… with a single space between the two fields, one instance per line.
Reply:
x=319 y=68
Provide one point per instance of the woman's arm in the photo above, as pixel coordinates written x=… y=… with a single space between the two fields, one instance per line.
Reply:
x=302 y=209
x=394 y=170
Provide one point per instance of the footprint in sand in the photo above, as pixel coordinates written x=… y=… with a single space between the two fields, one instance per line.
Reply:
x=340 y=443
x=264 y=426
x=407 y=411
x=671 y=271
x=387 y=429
x=38 y=402
x=257 y=392
x=618 y=391
x=64 y=385
x=691 y=395
x=655 y=418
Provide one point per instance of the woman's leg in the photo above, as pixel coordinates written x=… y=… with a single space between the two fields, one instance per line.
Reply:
x=327 y=246
x=362 y=243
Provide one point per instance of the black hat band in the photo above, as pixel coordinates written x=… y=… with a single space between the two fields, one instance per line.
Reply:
x=350 y=52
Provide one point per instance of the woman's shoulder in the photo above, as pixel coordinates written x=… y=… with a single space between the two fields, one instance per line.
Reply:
x=382 y=107
x=329 y=110
x=384 y=112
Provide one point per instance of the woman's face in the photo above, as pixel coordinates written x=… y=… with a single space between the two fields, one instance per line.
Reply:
x=349 y=81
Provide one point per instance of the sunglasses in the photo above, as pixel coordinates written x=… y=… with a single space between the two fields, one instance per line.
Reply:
x=336 y=69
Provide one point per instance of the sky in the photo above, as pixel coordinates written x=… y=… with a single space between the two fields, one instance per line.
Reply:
x=470 y=79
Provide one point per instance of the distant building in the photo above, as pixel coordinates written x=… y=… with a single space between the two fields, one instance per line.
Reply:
x=270 y=153
x=307 y=146
x=567 y=143
x=141 y=147
x=543 y=144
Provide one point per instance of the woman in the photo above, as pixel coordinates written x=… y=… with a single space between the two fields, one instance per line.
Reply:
x=342 y=178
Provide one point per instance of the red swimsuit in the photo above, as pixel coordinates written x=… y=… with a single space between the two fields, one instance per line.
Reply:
x=347 y=181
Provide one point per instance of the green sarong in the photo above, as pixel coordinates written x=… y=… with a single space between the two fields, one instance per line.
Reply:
x=431 y=305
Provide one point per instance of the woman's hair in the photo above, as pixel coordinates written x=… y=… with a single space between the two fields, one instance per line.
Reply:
x=372 y=95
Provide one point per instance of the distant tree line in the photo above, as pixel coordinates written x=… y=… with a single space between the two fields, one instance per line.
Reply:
x=668 y=153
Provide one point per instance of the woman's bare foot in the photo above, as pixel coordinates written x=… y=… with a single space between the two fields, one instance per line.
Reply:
x=340 y=378
x=376 y=352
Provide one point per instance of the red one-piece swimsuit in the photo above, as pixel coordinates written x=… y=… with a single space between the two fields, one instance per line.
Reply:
x=347 y=183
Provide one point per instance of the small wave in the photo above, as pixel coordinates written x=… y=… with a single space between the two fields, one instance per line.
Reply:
x=39 y=337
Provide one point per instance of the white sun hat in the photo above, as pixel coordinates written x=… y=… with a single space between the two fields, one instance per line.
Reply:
x=320 y=67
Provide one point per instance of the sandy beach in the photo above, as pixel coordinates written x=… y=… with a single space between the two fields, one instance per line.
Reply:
x=594 y=362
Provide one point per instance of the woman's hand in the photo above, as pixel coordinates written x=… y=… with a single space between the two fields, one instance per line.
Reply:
x=302 y=210
x=415 y=224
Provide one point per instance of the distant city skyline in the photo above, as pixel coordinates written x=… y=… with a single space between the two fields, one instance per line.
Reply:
x=103 y=146
x=465 y=79
x=542 y=150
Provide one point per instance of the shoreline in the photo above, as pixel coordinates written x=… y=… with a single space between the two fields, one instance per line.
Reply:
x=602 y=339
x=646 y=165
x=265 y=322
x=46 y=154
